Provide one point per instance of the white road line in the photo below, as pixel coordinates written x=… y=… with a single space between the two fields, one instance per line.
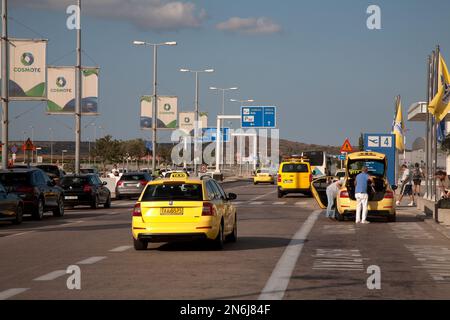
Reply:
x=11 y=293
x=20 y=234
x=120 y=249
x=262 y=196
x=91 y=260
x=301 y=203
x=256 y=203
x=51 y=276
x=279 y=280
x=279 y=203
x=238 y=203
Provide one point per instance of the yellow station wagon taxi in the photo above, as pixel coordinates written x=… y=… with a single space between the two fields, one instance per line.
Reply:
x=263 y=176
x=181 y=208
x=381 y=195
x=294 y=176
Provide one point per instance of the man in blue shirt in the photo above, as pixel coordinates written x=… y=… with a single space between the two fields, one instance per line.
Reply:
x=362 y=197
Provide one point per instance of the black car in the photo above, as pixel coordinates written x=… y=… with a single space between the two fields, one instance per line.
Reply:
x=11 y=206
x=53 y=172
x=85 y=189
x=38 y=193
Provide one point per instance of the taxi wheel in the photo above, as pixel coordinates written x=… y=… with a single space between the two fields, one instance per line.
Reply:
x=219 y=241
x=234 y=235
x=140 y=245
x=280 y=194
x=339 y=217
x=392 y=218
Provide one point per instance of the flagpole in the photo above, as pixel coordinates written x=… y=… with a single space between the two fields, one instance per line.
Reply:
x=436 y=84
x=427 y=143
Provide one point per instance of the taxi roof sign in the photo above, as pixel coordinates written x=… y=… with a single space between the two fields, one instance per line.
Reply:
x=346 y=147
x=178 y=175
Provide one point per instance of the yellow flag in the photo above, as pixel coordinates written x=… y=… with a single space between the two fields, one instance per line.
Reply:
x=440 y=105
x=398 y=128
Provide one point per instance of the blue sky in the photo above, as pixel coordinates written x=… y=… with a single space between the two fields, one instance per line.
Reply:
x=330 y=76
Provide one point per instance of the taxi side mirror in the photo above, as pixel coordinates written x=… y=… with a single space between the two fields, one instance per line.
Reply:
x=232 y=196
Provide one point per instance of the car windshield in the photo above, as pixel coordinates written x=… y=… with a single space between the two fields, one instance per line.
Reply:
x=376 y=168
x=173 y=192
x=74 y=181
x=133 y=177
x=295 y=167
x=11 y=179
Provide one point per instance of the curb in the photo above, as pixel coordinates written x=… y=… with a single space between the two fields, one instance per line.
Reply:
x=439 y=228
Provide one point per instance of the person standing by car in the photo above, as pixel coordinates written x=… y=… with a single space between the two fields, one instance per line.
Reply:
x=406 y=189
x=332 y=192
x=362 y=197
x=417 y=179
x=443 y=184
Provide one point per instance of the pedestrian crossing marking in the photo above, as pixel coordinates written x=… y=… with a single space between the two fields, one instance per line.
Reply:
x=279 y=203
x=434 y=259
x=410 y=230
x=256 y=203
x=339 y=229
x=338 y=260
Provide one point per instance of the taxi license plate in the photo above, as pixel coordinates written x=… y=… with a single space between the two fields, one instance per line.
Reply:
x=71 y=197
x=172 y=211
x=287 y=181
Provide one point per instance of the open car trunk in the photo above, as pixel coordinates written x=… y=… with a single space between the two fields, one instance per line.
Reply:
x=375 y=190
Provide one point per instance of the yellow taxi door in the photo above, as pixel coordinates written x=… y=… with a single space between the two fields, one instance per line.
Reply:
x=227 y=208
x=216 y=198
x=319 y=190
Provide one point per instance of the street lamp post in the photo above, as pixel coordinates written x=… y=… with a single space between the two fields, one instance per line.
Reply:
x=32 y=140
x=23 y=147
x=154 y=108
x=62 y=158
x=196 y=112
x=51 y=145
x=223 y=95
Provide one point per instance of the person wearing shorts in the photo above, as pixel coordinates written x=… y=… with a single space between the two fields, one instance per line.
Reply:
x=407 y=186
x=417 y=179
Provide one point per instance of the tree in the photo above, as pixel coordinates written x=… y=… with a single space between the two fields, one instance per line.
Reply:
x=107 y=150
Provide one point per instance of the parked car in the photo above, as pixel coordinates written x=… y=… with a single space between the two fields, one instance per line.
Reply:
x=85 y=189
x=53 y=171
x=131 y=184
x=38 y=193
x=11 y=206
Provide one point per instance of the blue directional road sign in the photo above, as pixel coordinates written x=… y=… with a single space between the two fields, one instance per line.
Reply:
x=383 y=143
x=149 y=145
x=342 y=157
x=210 y=134
x=258 y=117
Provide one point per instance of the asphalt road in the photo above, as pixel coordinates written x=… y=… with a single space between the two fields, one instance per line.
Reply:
x=287 y=249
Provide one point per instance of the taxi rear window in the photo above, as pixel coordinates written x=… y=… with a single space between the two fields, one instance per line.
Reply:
x=173 y=192
x=295 y=167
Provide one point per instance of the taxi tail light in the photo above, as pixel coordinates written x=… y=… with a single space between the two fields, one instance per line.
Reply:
x=344 y=194
x=137 y=210
x=389 y=195
x=143 y=182
x=279 y=178
x=87 y=188
x=310 y=177
x=208 y=209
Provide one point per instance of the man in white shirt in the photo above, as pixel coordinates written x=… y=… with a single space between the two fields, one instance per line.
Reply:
x=406 y=182
x=332 y=192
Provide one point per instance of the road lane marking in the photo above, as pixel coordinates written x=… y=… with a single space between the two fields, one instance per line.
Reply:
x=19 y=234
x=279 y=203
x=338 y=259
x=51 y=276
x=339 y=229
x=262 y=196
x=302 y=203
x=256 y=203
x=121 y=249
x=11 y=293
x=279 y=280
x=91 y=260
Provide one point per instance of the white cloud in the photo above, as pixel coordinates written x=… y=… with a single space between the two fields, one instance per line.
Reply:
x=145 y=14
x=250 y=26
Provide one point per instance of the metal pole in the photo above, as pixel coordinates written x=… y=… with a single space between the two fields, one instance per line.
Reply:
x=5 y=81
x=436 y=86
x=32 y=139
x=23 y=146
x=427 y=144
x=95 y=141
x=218 y=145
x=78 y=96
x=430 y=155
x=196 y=126
x=223 y=102
x=51 y=146
x=154 y=112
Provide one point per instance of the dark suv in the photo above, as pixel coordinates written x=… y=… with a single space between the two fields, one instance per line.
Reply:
x=38 y=193
x=53 y=172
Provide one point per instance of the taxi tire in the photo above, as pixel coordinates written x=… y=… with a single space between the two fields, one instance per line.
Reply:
x=140 y=245
x=233 y=236
x=280 y=194
x=219 y=240
x=392 y=218
x=338 y=216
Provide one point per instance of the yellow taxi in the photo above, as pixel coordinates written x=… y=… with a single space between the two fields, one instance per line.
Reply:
x=182 y=208
x=381 y=194
x=294 y=176
x=263 y=176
